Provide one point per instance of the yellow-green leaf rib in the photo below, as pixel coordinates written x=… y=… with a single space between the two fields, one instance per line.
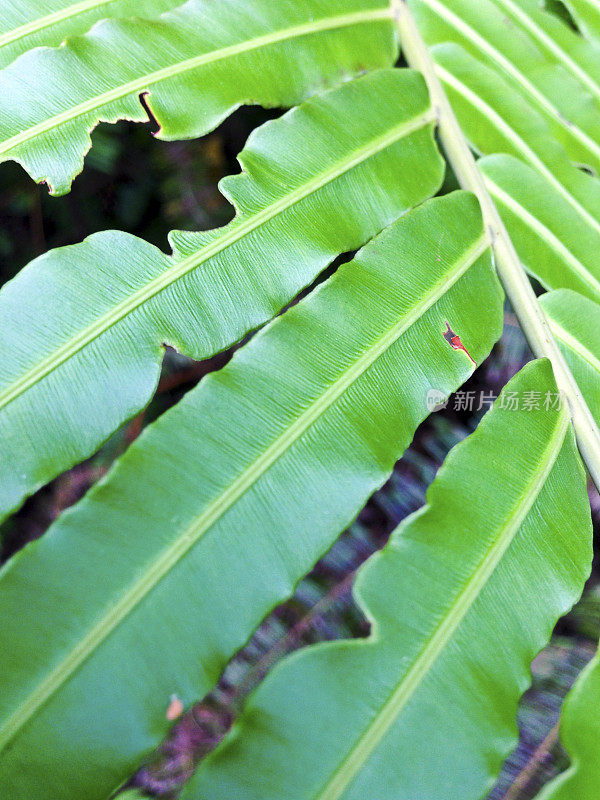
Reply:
x=24 y=25
x=100 y=312
x=242 y=483
x=218 y=47
x=186 y=522
x=391 y=708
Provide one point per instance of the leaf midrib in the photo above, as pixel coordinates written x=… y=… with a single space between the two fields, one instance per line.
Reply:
x=547 y=41
x=218 y=507
x=233 y=233
x=50 y=19
x=518 y=141
x=544 y=233
x=144 y=82
x=446 y=629
x=485 y=47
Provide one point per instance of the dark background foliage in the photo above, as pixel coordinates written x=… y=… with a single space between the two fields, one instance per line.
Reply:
x=138 y=184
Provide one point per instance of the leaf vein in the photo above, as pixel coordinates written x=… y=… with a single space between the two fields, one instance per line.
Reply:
x=448 y=626
x=517 y=140
x=218 y=507
x=50 y=19
x=142 y=83
x=233 y=233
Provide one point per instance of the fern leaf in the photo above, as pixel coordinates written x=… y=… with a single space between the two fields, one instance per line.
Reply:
x=460 y=601
x=85 y=324
x=24 y=24
x=587 y=15
x=557 y=40
x=580 y=734
x=222 y=505
x=496 y=119
x=554 y=242
x=194 y=66
x=549 y=206
x=560 y=88
x=575 y=323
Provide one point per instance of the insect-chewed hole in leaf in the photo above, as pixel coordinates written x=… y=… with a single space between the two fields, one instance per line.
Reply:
x=155 y=126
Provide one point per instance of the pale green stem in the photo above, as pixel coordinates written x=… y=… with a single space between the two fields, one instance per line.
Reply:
x=516 y=284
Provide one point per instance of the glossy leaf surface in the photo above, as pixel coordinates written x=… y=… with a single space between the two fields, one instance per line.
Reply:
x=586 y=14
x=553 y=240
x=194 y=66
x=85 y=325
x=460 y=601
x=546 y=63
x=25 y=24
x=495 y=118
x=554 y=217
x=550 y=207
x=575 y=323
x=580 y=735
x=152 y=582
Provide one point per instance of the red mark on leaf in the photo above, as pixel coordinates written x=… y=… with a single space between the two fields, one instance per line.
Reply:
x=455 y=342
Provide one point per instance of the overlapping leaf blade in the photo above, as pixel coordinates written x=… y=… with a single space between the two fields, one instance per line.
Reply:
x=554 y=242
x=496 y=119
x=557 y=39
x=460 y=601
x=575 y=322
x=586 y=14
x=212 y=516
x=194 y=65
x=25 y=24
x=553 y=216
x=580 y=734
x=557 y=83
x=85 y=325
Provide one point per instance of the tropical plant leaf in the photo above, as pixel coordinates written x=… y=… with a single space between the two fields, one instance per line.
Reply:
x=553 y=241
x=550 y=208
x=194 y=66
x=575 y=322
x=580 y=734
x=560 y=80
x=24 y=25
x=221 y=506
x=586 y=13
x=83 y=327
x=558 y=40
x=460 y=601
x=496 y=119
